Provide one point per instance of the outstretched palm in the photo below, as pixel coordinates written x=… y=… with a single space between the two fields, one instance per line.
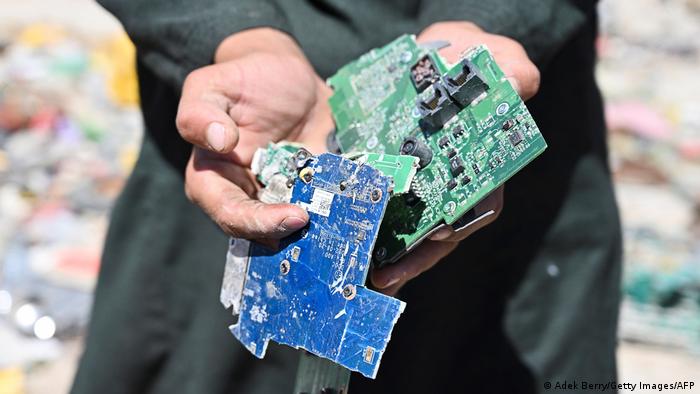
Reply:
x=244 y=101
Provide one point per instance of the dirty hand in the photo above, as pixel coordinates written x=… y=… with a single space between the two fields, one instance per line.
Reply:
x=525 y=79
x=260 y=89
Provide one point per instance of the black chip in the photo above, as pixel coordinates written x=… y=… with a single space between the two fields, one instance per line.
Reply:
x=451 y=153
x=516 y=138
x=424 y=73
x=451 y=184
x=443 y=142
x=456 y=166
x=458 y=131
x=466 y=180
x=508 y=124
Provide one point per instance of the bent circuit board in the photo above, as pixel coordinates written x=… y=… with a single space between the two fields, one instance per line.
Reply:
x=311 y=292
x=465 y=123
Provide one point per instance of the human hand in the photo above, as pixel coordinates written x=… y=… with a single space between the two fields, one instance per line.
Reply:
x=509 y=54
x=525 y=79
x=261 y=88
x=520 y=71
x=389 y=279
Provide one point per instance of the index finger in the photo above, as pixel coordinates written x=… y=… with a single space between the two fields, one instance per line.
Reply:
x=483 y=214
x=389 y=279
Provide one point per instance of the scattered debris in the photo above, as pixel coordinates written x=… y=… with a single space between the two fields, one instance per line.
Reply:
x=70 y=129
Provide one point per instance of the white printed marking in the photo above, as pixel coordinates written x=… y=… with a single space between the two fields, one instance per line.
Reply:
x=341 y=313
x=321 y=202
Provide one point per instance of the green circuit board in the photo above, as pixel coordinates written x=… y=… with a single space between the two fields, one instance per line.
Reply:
x=469 y=129
x=400 y=168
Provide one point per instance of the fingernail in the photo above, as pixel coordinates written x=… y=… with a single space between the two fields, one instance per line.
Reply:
x=216 y=136
x=441 y=234
x=292 y=223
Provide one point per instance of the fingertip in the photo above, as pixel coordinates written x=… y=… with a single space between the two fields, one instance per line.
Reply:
x=385 y=277
x=377 y=281
x=296 y=218
x=442 y=234
x=516 y=85
x=220 y=138
x=299 y=211
x=526 y=85
x=292 y=223
x=386 y=282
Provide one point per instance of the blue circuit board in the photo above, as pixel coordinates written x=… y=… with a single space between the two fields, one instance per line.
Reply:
x=310 y=293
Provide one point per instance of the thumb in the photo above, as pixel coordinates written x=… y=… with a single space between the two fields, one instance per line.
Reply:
x=203 y=113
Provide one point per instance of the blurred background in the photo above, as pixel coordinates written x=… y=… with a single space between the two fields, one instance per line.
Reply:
x=70 y=131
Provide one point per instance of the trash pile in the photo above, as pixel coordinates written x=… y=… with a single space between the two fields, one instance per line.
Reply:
x=70 y=129
x=648 y=74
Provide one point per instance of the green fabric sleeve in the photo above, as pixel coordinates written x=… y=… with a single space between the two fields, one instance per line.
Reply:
x=541 y=26
x=174 y=37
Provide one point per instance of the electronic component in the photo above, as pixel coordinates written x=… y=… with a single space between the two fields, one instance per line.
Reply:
x=412 y=146
x=436 y=110
x=456 y=166
x=466 y=85
x=508 y=124
x=476 y=169
x=424 y=73
x=444 y=142
x=515 y=138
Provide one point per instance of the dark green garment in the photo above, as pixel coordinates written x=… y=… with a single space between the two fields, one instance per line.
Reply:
x=531 y=299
